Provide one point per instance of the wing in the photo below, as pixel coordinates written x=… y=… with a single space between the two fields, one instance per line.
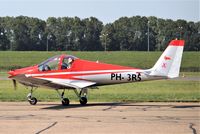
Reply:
x=70 y=83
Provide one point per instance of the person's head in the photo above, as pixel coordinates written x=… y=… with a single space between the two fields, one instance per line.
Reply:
x=70 y=60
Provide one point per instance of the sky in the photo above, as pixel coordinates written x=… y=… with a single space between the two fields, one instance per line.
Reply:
x=106 y=11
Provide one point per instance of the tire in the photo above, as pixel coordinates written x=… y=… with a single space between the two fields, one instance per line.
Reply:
x=65 y=102
x=33 y=101
x=83 y=101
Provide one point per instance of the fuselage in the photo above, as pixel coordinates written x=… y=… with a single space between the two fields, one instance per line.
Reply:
x=80 y=70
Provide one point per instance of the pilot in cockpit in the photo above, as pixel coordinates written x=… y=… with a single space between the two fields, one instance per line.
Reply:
x=67 y=63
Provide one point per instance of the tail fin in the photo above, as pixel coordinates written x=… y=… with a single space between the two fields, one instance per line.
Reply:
x=168 y=65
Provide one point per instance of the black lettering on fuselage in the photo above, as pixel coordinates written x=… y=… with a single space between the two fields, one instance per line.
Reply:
x=112 y=76
x=139 y=77
x=130 y=77
x=116 y=76
x=134 y=77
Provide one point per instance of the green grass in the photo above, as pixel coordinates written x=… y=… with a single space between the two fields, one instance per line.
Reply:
x=9 y=60
x=189 y=74
x=158 y=91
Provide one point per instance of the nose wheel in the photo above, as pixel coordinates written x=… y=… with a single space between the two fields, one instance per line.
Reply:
x=32 y=100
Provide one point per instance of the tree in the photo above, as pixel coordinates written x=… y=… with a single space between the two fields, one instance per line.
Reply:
x=107 y=38
x=4 y=41
x=92 y=32
x=89 y=34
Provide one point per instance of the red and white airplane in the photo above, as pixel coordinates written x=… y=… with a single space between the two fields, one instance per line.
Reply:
x=63 y=72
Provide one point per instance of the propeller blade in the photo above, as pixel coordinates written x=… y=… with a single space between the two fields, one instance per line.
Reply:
x=14 y=84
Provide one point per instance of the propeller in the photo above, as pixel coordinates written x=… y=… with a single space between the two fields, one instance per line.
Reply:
x=14 y=84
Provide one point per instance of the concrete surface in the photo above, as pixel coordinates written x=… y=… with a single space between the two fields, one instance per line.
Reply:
x=100 y=118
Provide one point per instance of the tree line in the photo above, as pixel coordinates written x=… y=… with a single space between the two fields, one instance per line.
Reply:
x=90 y=34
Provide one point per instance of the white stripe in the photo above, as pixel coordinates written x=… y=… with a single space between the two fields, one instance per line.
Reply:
x=70 y=83
x=80 y=72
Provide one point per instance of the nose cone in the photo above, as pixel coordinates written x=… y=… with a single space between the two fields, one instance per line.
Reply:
x=11 y=73
x=23 y=71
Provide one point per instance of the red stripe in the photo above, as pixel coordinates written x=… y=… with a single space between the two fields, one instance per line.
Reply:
x=177 y=43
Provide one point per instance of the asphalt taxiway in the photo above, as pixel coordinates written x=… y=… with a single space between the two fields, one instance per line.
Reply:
x=100 y=118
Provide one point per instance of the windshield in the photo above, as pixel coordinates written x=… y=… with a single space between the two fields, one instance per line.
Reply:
x=53 y=63
x=50 y=64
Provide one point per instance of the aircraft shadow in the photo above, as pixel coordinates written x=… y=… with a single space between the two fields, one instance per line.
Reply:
x=113 y=104
x=59 y=107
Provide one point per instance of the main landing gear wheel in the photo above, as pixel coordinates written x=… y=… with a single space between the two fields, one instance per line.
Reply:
x=33 y=101
x=65 y=102
x=83 y=100
x=82 y=96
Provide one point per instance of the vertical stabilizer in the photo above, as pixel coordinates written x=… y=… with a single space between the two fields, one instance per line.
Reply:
x=170 y=61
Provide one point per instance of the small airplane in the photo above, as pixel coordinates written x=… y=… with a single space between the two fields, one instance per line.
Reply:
x=67 y=72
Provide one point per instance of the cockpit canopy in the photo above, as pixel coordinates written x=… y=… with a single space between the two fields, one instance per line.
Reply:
x=58 y=62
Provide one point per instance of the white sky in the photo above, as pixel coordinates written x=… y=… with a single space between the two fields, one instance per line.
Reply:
x=105 y=10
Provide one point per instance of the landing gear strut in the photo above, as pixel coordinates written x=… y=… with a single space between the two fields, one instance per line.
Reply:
x=82 y=96
x=65 y=101
x=32 y=100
